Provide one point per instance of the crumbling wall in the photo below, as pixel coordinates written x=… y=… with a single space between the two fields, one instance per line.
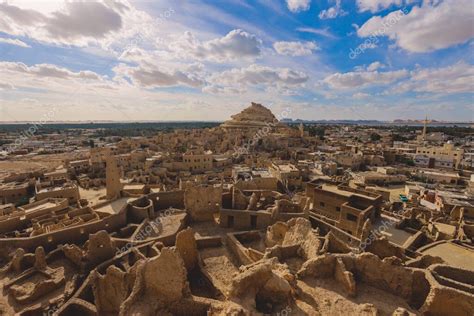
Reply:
x=300 y=232
x=242 y=219
x=187 y=248
x=451 y=292
x=239 y=200
x=111 y=289
x=275 y=234
x=264 y=286
x=100 y=247
x=267 y=183
x=167 y=199
x=384 y=248
x=202 y=202
x=387 y=274
x=161 y=282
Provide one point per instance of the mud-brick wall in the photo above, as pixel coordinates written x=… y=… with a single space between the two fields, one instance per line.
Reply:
x=76 y=234
x=269 y=183
x=202 y=202
x=242 y=219
x=238 y=250
x=164 y=200
x=141 y=209
x=339 y=233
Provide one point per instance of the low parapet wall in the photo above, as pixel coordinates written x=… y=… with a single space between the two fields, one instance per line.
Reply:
x=140 y=209
x=164 y=200
x=242 y=219
x=74 y=235
x=237 y=249
x=339 y=233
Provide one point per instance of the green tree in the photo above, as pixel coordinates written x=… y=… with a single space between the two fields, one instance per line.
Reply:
x=375 y=137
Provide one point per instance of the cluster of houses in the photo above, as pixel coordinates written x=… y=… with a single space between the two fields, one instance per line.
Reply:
x=249 y=190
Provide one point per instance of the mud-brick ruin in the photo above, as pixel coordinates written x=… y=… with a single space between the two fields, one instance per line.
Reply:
x=241 y=239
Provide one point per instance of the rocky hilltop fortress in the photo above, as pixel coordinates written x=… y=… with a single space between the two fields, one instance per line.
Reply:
x=182 y=224
x=255 y=116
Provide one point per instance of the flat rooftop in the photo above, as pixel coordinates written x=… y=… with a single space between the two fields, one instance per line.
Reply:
x=134 y=186
x=286 y=167
x=40 y=207
x=335 y=189
x=454 y=254
x=114 y=207
x=393 y=234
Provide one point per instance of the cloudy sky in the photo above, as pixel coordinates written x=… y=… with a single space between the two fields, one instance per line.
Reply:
x=205 y=60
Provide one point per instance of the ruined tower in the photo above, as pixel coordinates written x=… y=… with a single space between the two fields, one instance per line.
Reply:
x=112 y=178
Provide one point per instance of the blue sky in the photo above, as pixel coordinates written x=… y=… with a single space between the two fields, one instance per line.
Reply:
x=206 y=60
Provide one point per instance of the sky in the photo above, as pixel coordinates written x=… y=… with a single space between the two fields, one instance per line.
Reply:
x=168 y=60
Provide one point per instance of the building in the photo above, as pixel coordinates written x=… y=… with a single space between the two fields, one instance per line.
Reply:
x=67 y=190
x=447 y=152
x=438 y=177
x=349 y=159
x=13 y=192
x=379 y=178
x=287 y=173
x=79 y=166
x=57 y=176
x=198 y=160
x=347 y=208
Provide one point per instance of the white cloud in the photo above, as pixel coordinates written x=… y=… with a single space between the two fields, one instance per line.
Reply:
x=429 y=27
x=47 y=79
x=80 y=23
x=375 y=65
x=6 y=86
x=332 y=12
x=71 y=24
x=215 y=89
x=298 y=5
x=239 y=79
x=361 y=79
x=457 y=78
x=15 y=42
x=151 y=77
x=295 y=48
x=323 y=32
x=360 y=95
x=236 y=44
x=47 y=71
x=376 y=5
x=66 y=26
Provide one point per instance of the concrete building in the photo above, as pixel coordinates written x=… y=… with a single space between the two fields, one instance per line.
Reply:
x=347 y=208
x=446 y=152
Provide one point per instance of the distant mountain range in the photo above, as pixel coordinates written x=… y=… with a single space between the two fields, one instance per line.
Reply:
x=376 y=122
